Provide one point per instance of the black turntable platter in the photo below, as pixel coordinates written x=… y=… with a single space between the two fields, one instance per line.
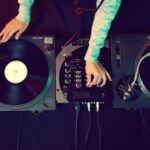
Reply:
x=24 y=72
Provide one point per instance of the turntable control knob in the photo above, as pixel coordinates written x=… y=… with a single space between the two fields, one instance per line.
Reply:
x=48 y=102
x=50 y=47
x=118 y=51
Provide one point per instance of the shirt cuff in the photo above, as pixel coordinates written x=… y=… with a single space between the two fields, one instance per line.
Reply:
x=24 y=12
x=92 y=54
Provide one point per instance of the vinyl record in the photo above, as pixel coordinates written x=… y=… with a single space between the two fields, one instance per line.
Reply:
x=24 y=72
x=145 y=74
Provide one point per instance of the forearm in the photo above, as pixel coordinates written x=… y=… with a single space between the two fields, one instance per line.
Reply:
x=24 y=12
x=101 y=25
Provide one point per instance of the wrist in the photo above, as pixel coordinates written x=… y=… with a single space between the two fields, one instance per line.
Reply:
x=91 y=61
x=92 y=53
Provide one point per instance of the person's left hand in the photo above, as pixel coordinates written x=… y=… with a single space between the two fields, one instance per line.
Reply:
x=98 y=72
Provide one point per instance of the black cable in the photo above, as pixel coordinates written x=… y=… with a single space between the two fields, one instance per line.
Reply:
x=19 y=130
x=99 y=131
x=99 y=5
x=77 y=110
x=88 y=129
x=145 y=128
x=145 y=136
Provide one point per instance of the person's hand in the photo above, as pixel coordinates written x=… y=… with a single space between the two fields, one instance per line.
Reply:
x=14 y=27
x=98 y=72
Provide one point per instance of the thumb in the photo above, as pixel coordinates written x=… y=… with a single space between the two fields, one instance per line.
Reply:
x=18 y=34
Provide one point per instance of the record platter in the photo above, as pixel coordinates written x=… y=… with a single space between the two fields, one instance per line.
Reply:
x=27 y=74
x=131 y=75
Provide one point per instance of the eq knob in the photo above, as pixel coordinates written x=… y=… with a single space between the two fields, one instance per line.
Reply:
x=67 y=75
x=78 y=85
x=67 y=70
x=78 y=80
x=67 y=81
x=78 y=72
x=66 y=64
x=78 y=76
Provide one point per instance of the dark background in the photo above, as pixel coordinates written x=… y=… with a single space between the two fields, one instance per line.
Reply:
x=54 y=130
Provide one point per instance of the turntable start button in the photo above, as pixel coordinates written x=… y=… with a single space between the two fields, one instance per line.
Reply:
x=15 y=72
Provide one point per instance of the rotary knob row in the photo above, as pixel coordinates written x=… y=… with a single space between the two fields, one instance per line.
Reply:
x=67 y=71
x=78 y=78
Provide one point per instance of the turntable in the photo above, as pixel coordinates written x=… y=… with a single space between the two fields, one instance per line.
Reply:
x=131 y=74
x=27 y=74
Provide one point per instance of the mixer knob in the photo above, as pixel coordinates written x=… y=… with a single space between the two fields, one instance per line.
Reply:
x=103 y=95
x=78 y=72
x=67 y=64
x=67 y=70
x=67 y=81
x=65 y=95
x=78 y=80
x=78 y=76
x=78 y=85
x=67 y=75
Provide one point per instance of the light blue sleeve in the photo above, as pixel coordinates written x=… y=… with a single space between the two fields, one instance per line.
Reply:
x=24 y=12
x=101 y=25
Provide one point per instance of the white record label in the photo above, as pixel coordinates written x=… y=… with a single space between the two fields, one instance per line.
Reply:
x=15 y=71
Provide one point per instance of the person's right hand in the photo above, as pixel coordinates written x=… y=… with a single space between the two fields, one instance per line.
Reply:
x=14 y=27
x=99 y=73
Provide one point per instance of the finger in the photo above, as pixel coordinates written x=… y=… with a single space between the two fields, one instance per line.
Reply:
x=18 y=34
x=104 y=79
x=5 y=33
x=9 y=35
x=96 y=76
x=108 y=75
x=2 y=32
x=88 y=76
x=99 y=81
